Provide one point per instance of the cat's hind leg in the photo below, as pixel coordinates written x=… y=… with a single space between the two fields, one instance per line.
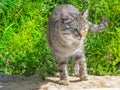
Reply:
x=75 y=67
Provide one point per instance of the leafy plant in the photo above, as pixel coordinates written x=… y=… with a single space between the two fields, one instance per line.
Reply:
x=23 y=44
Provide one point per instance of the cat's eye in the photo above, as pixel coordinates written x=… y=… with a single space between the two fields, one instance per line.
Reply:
x=84 y=28
x=73 y=28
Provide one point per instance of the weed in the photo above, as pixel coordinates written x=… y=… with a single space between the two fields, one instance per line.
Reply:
x=23 y=45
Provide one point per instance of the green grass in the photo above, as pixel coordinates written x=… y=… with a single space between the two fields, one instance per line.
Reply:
x=23 y=44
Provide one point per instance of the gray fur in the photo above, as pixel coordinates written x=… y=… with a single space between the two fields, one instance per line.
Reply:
x=67 y=29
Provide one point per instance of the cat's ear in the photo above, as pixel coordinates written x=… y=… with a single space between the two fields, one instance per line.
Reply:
x=85 y=14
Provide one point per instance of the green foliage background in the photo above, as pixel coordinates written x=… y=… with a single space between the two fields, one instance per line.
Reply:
x=23 y=44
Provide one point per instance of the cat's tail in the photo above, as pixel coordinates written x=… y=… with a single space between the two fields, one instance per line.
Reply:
x=98 y=27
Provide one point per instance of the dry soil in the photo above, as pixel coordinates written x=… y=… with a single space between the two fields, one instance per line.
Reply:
x=18 y=82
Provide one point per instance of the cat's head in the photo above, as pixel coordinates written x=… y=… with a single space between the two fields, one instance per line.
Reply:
x=74 y=24
x=77 y=25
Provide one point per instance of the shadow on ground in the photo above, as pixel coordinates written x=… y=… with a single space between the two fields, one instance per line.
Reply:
x=19 y=82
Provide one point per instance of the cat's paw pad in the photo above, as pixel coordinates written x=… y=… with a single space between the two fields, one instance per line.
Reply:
x=64 y=82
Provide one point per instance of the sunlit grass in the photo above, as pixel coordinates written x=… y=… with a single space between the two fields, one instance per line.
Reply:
x=23 y=43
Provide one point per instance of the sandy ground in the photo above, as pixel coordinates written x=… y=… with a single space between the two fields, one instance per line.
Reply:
x=18 y=82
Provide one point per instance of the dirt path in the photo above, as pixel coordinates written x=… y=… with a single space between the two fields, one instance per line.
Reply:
x=18 y=82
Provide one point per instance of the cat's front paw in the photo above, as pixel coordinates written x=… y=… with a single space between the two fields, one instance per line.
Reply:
x=64 y=82
x=76 y=75
x=84 y=78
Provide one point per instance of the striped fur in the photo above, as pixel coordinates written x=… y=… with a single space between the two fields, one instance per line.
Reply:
x=67 y=29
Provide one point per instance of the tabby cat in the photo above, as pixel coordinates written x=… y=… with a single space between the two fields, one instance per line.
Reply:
x=67 y=29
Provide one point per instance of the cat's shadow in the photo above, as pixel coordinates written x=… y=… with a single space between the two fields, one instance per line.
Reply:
x=56 y=79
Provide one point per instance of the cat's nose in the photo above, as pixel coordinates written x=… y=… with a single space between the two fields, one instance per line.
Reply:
x=81 y=33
